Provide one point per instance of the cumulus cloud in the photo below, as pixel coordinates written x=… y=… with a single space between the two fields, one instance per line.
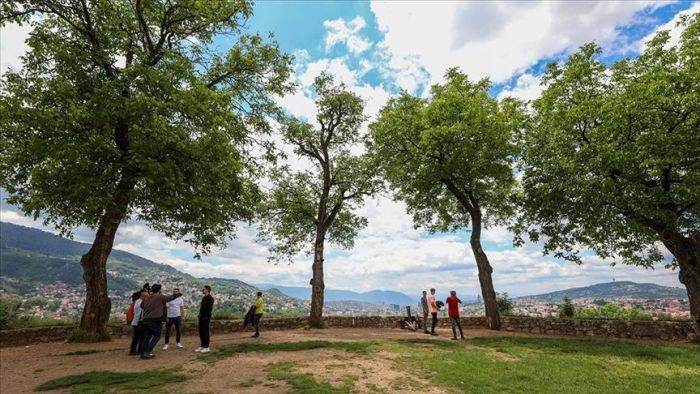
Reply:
x=527 y=87
x=12 y=46
x=346 y=32
x=671 y=26
x=496 y=39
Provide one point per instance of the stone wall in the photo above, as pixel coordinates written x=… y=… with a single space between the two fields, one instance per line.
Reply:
x=633 y=329
x=641 y=329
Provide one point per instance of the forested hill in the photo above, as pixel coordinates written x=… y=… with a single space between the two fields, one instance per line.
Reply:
x=34 y=259
x=609 y=291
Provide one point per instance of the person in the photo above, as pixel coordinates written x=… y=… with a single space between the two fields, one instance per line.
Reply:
x=433 y=311
x=137 y=336
x=259 y=311
x=453 y=312
x=176 y=312
x=425 y=309
x=204 y=318
x=153 y=317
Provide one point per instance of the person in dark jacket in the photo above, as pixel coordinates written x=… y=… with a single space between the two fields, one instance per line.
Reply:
x=205 y=309
x=153 y=317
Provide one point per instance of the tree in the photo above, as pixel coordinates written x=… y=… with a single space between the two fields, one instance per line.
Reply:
x=121 y=111
x=612 y=160
x=505 y=303
x=450 y=159
x=567 y=308
x=306 y=206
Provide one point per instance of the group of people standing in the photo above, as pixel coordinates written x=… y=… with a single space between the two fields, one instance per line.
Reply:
x=430 y=306
x=150 y=308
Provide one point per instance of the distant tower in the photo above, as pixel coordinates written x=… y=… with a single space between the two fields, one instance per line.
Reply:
x=613 y=272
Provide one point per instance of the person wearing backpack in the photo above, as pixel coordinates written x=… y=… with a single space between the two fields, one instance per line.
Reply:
x=134 y=319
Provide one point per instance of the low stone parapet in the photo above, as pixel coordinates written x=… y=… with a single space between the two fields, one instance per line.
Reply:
x=632 y=329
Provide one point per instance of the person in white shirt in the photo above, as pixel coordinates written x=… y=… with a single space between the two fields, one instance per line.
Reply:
x=137 y=338
x=176 y=312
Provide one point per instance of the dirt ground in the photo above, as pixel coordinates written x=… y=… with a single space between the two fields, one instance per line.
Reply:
x=23 y=368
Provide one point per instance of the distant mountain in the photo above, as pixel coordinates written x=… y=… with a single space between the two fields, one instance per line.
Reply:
x=610 y=291
x=35 y=262
x=373 y=297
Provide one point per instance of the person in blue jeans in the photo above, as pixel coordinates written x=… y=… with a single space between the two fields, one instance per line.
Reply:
x=153 y=317
x=176 y=312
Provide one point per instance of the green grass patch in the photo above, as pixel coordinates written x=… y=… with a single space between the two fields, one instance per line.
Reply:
x=80 y=352
x=304 y=382
x=548 y=365
x=102 y=381
x=230 y=350
x=249 y=383
x=79 y=336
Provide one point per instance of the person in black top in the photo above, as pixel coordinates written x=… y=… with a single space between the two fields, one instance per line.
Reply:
x=205 y=309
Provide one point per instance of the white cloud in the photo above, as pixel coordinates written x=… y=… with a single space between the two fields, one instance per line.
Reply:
x=671 y=26
x=12 y=45
x=528 y=87
x=342 y=32
x=496 y=39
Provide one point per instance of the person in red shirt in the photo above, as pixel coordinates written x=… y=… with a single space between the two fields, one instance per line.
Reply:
x=453 y=312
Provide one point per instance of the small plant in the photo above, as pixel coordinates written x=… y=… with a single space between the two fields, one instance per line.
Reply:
x=9 y=312
x=567 y=308
x=224 y=314
x=505 y=304
x=80 y=352
x=79 y=336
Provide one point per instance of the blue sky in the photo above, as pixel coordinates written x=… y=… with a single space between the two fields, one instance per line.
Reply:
x=378 y=48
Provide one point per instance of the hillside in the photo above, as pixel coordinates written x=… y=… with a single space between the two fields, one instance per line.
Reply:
x=610 y=291
x=373 y=297
x=39 y=264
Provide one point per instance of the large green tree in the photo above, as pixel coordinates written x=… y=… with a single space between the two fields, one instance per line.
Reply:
x=612 y=158
x=121 y=111
x=306 y=206
x=450 y=159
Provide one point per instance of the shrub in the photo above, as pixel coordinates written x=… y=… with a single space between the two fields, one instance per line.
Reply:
x=505 y=303
x=224 y=314
x=9 y=312
x=612 y=311
x=87 y=337
x=567 y=308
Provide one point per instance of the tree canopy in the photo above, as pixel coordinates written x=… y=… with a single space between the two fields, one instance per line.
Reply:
x=612 y=158
x=306 y=206
x=122 y=110
x=450 y=158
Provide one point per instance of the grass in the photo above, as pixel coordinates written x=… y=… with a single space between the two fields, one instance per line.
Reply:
x=304 y=382
x=230 y=350
x=544 y=365
x=103 y=381
x=80 y=352
x=249 y=383
x=79 y=336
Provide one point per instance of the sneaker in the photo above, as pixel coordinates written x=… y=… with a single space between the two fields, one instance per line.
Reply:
x=204 y=350
x=199 y=349
x=179 y=346
x=165 y=347
x=146 y=356
x=434 y=334
x=454 y=339
x=255 y=335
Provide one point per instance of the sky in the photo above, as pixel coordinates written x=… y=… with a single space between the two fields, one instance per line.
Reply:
x=377 y=49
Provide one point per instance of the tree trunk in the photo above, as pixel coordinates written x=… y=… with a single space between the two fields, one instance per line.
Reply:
x=493 y=318
x=686 y=250
x=317 y=285
x=94 y=262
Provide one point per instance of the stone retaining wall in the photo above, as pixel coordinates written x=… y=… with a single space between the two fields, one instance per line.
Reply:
x=640 y=329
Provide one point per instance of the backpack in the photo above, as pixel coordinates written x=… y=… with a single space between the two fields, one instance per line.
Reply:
x=130 y=313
